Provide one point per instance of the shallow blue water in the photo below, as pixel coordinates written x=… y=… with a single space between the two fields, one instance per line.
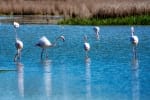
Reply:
x=110 y=73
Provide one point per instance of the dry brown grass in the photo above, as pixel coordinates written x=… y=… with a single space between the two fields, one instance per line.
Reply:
x=76 y=8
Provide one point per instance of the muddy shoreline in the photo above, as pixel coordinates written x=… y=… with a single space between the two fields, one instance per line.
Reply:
x=31 y=19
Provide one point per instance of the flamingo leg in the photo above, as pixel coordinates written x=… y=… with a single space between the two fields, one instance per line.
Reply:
x=42 y=53
x=86 y=54
x=135 y=52
x=19 y=55
x=16 y=56
x=46 y=54
x=97 y=36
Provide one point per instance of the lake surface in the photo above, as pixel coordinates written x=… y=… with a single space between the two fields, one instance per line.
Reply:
x=112 y=72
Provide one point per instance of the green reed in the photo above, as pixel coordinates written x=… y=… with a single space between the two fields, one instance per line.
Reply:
x=131 y=20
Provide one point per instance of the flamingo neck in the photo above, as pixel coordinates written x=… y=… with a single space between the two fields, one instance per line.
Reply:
x=16 y=36
x=85 y=38
x=97 y=35
x=132 y=33
x=54 y=44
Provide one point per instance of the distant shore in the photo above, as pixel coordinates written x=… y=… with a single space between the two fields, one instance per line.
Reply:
x=31 y=19
x=48 y=19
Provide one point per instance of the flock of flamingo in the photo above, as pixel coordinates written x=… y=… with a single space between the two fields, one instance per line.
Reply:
x=44 y=43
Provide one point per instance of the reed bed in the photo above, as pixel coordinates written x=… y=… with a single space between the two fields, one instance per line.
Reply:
x=76 y=8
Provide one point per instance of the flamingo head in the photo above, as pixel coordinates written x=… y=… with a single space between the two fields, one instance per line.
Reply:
x=96 y=29
x=16 y=24
x=62 y=37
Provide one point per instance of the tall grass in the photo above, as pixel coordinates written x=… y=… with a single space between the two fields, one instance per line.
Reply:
x=76 y=8
x=132 y=20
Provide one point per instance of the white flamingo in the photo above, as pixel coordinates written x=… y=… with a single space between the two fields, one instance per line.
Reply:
x=44 y=43
x=18 y=43
x=97 y=30
x=86 y=45
x=134 y=39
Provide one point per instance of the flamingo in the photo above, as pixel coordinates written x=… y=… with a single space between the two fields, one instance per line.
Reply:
x=18 y=43
x=97 y=30
x=134 y=39
x=86 y=45
x=44 y=43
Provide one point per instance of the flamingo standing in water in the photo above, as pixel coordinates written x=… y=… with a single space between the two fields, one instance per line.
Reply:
x=134 y=39
x=18 y=43
x=97 y=30
x=86 y=45
x=45 y=43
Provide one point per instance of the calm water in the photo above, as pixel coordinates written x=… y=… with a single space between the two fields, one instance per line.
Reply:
x=111 y=72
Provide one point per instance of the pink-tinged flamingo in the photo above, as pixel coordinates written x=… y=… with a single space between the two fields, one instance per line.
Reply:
x=134 y=39
x=97 y=31
x=18 y=43
x=44 y=43
x=86 y=45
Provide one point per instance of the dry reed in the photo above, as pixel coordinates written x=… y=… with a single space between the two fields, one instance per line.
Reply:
x=76 y=8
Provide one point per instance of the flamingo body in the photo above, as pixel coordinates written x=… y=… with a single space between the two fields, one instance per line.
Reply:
x=86 y=46
x=134 y=39
x=19 y=44
x=44 y=42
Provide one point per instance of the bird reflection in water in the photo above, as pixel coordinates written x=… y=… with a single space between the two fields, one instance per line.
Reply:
x=135 y=75
x=47 y=76
x=20 y=71
x=88 y=78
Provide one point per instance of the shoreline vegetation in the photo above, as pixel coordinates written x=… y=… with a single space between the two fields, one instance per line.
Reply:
x=130 y=20
x=83 y=12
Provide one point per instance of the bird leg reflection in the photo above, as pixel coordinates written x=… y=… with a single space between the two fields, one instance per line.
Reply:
x=42 y=53
x=88 y=78
x=134 y=52
x=46 y=54
x=135 y=75
x=20 y=78
x=47 y=77
x=86 y=54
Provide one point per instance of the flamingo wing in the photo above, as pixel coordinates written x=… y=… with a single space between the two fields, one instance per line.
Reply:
x=19 y=44
x=43 y=42
x=86 y=46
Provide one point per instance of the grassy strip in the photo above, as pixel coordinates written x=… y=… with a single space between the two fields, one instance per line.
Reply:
x=132 y=20
x=6 y=70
